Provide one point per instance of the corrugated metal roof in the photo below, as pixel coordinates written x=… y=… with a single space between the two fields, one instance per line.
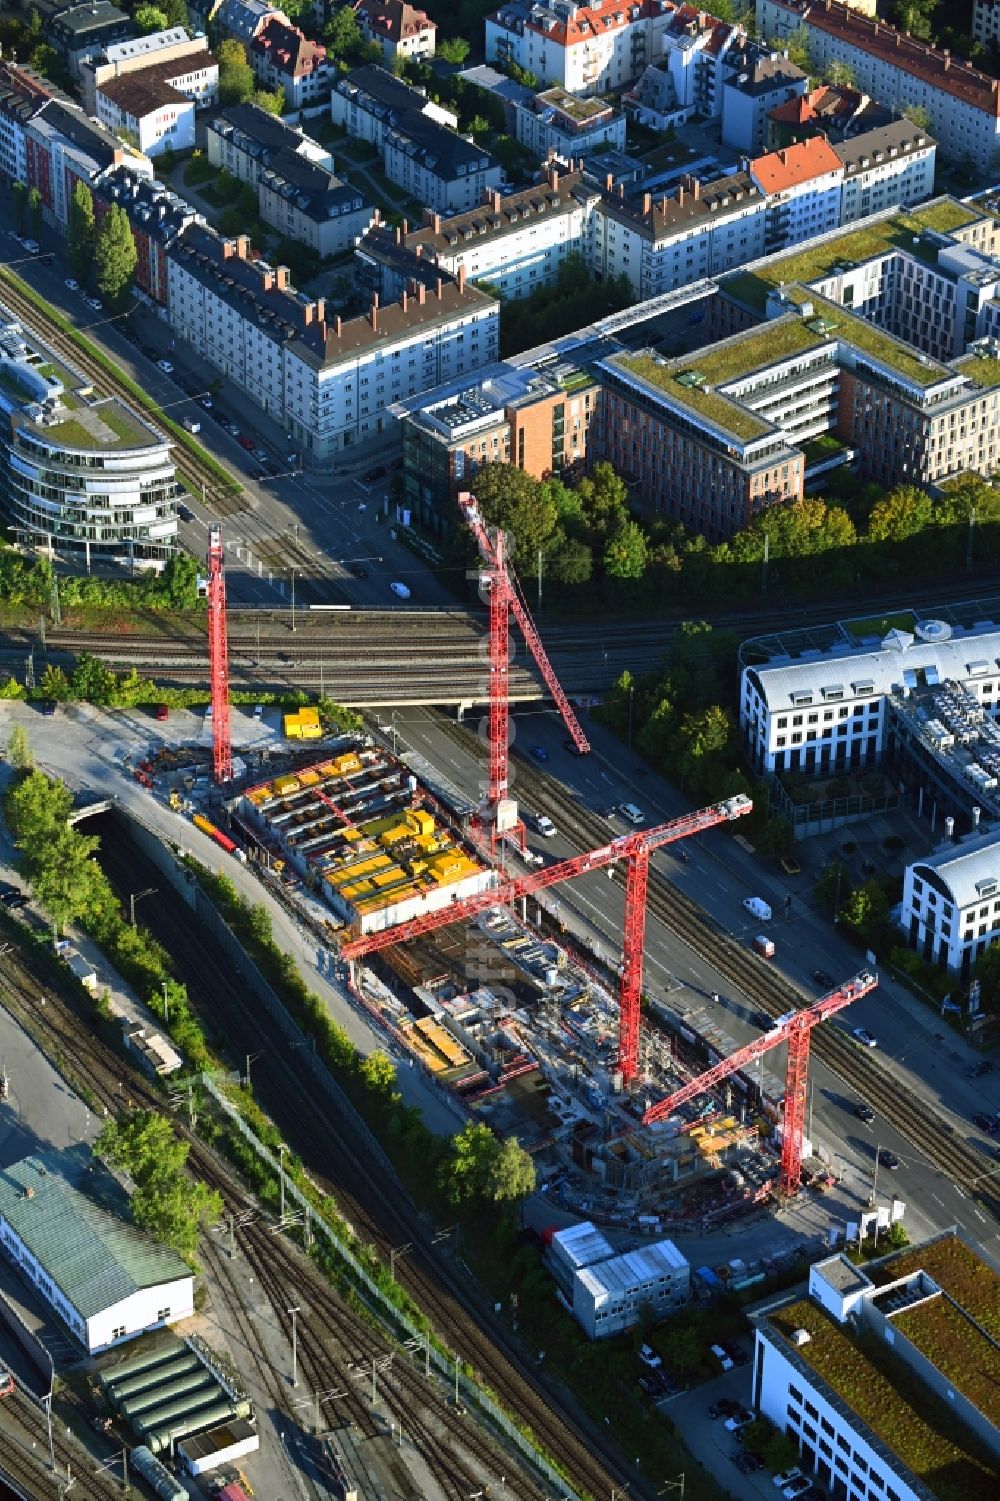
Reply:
x=632 y=1269
x=582 y=1244
x=961 y=866
x=67 y=1210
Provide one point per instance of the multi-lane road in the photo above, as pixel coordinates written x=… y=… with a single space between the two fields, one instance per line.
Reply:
x=927 y=1059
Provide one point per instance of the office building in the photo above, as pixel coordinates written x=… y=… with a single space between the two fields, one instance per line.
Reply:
x=83 y=476
x=64 y=1224
x=963 y=103
x=153 y=108
x=201 y=78
x=882 y=1375
x=950 y=911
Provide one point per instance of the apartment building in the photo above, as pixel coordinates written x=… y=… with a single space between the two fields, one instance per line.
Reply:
x=985 y=21
x=557 y=123
x=157 y=217
x=330 y=382
x=244 y=20
x=80 y=32
x=137 y=53
x=516 y=244
x=670 y=240
x=878 y=1373
x=833 y=110
x=756 y=85
x=586 y=49
x=803 y=185
x=245 y=140
x=892 y=164
x=153 y=108
x=62 y=147
x=84 y=477
x=963 y=103
x=539 y=421
x=283 y=57
x=437 y=166
x=305 y=202
x=369 y=102
x=696 y=52
x=22 y=94
x=399 y=29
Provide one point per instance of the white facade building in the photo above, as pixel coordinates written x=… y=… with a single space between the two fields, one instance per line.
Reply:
x=612 y=1296
x=556 y=123
x=846 y=1314
x=369 y=102
x=985 y=21
x=437 y=166
x=588 y=49
x=963 y=103
x=951 y=903
x=803 y=185
x=107 y=1281
x=141 y=52
x=891 y=165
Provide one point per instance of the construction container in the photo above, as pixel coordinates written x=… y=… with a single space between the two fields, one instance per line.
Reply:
x=146 y=1361
x=156 y=1475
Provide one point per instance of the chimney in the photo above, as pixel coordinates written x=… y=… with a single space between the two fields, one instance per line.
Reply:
x=947 y=59
x=398 y=235
x=647 y=203
x=494 y=200
x=439 y=288
x=281 y=278
x=949 y=829
x=376 y=218
x=308 y=312
x=418 y=251
x=609 y=183
x=406 y=229
x=338 y=325
x=680 y=194
x=554 y=179
x=321 y=330
x=403 y=299
x=621 y=191
x=461 y=278
x=694 y=183
x=421 y=293
x=228 y=249
x=373 y=312
x=243 y=247
x=977 y=813
x=321 y=308
x=428 y=216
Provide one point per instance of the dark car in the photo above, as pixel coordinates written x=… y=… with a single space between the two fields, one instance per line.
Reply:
x=725 y=1407
x=7 y=892
x=761 y=1019
x=359 y=571
x=371 y=475
x=888 y=1159
x=539 y=752
x=185 y=513
x=984 y=1066
x=990 y=1123
x=822 y=979
x=650 y=1383
x=16 y=902
x=736 y=1353
x=754 y=1459
x=46 y=706
x=573 y=748
x=864 y=1112
x=206 y=403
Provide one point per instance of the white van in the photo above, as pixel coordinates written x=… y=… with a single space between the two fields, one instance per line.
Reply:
x=632 y=813
x=758 y=908
x=401 y=591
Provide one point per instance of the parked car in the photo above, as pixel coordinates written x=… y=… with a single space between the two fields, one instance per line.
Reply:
x=755 y=1461
x=724 y=1407
x=787 y=1476
x=8 y=893
x=740 y=1419
x=258 y=711
x=539 y=752
x=185 y=513
x=650 y=1383
x=632 y=813
x=545 y=826
x=206 y=403
x=245 y=441
x=260 y=455
x=573 y=748
x=866 y=1039
x=16 y=903
x=736 y=1352
x=790 y=865
x=823 y=979
x=165 y=366
x=649 y=1357
x=741 y=1459
x=724 y=1360
x=31 y=246
x=71 y=284
x=796 y=1488
x=46 y=706
x=231 y=428
x=95 y=303
x=358 y=570
x=758 y=908
x=984 y=1066
x=371 y=475
x=864 y=1112
x=888 y=1159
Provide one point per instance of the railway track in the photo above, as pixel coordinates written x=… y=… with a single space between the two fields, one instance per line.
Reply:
x=912 y=1117
x=334 y=1338
x=199 y=476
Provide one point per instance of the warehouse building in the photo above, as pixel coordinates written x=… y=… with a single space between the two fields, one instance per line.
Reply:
x=885 y=1376
x=62 y=1223
x=363 y=834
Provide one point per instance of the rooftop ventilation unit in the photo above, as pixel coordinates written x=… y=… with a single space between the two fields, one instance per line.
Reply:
x=933 y=631
x=801 y=1337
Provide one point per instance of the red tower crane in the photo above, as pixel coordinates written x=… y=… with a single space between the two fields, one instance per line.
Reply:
x=795 y=1029
x=635 y=849
x=504 y=601
x=218 y=659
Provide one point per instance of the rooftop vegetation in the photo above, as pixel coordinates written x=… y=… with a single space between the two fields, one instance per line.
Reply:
x=83 y=431
x=981 y=370
x=958 y=1349
x=817 y=261
x=718 y=410
x=954 y=1266
x=899 y=1410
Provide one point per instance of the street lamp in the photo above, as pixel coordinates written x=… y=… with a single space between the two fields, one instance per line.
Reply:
x=294 y=1311
x=137 y=896
x=395 y=1251
x=294 y=571
x=250 y=1059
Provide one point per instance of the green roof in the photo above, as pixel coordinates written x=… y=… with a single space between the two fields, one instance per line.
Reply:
x=866 y=337
x=719 y=410
x=954 y=1266
x=816 y=261
x=905 y=1415
x=71 y=1223
x=105 y=424
x=982 y=370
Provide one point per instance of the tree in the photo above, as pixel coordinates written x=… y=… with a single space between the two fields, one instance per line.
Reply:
x=568 y=560
x=510 y=498
x=115 y=255
x=603 y=500
x=511 y=1173
x=149 y=19
x=830 y=884
x=19 y=749
x=918 y=115
x=841 y=74
x=80 y=232
x=866 y=911
x=165 y=1202
x=455 y=49
x=902 y=513
x=273 y=103
x=237 y=82
x=20 y=192
x=626 y=553
x=914 y=16
x=464 y=1175
x=178 y=583
x=36 y=807
x=92 y=681
x=34 y=212
x=378 y=1073
x=797 y=47
x=62 y=874
x=342 y=33
x=54 y=684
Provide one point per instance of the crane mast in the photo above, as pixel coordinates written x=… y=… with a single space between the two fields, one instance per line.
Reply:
x=218 y=660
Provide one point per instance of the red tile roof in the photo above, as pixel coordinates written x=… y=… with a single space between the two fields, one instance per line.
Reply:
x=797 y=111
x=939 y=69
x=289 y=49
x=394 y=19
x=793 y=165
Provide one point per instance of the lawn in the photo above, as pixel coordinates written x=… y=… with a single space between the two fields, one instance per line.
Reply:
x=873 y=625
x=852 y=247
x=900 y=1410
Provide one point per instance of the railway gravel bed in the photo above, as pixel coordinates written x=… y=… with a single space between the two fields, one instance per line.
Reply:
x=768 y=989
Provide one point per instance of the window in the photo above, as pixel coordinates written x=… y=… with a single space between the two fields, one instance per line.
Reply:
x=164 y=1313
x=118 y=1333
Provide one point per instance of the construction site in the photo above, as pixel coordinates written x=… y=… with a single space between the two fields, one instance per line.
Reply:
x=444 y=925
